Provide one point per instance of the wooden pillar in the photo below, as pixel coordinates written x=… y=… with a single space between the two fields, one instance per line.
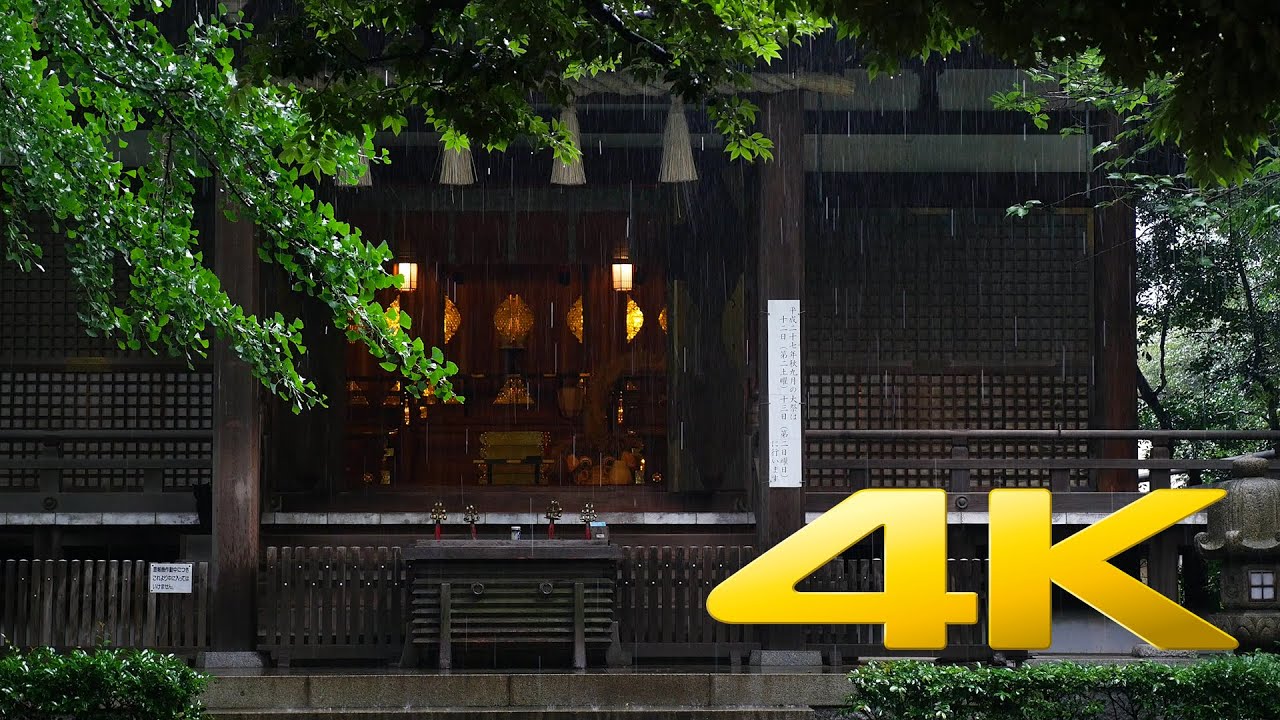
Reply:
x=1162 y=562
x=236 y=452
x=779 y=276
x=1115 y=361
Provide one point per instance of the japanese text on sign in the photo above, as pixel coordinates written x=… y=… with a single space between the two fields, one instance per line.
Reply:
x=170 y=577
x=784 y=393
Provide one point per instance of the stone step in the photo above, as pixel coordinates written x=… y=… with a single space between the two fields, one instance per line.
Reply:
x=397 y=691
x=518 y=713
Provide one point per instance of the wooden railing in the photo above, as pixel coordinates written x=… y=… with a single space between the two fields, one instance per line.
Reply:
x=85 y=604
x=332 y=603
x=953 y=456
x=351 y=604
x=661 y=605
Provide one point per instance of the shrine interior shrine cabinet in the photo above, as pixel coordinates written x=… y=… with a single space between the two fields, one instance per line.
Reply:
x=510 y=599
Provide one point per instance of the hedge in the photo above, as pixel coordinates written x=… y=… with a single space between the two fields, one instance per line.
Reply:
x=1232 y=687
x=105 y=684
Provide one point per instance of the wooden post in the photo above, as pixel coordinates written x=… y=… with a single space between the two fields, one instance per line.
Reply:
x=1115 y=395
x=579 y=627
x=1162 y=562
x=1162 y=550
x=779 y=276
x=446 y=627
x=236 y=451
x=959 y=476
x=1159 y=478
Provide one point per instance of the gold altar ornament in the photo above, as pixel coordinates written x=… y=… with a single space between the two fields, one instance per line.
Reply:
x=662 y=319
x=513 y=320
x=553 y=511
x=635 y=319
x=452 y=319
x=514 y=392
x=574 y=319
x=437 y=512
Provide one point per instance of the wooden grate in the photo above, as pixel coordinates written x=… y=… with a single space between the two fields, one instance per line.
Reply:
x=946 y=320
x=963 y=288
x=39 y=311
x=139 y=400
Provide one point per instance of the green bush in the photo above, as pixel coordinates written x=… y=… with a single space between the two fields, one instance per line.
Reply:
x=104 y=684
x=1243 y=687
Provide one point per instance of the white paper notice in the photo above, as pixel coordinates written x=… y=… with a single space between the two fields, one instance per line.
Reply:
x=170 y=577
x=785 y=431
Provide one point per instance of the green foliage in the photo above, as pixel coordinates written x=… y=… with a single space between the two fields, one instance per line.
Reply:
x=1224 y=97
x=1209 y=303
x=1245 y=687
x=1209 y=292
x=98 y=685
x=474 y=68
x=264 y=115
x=77 y=76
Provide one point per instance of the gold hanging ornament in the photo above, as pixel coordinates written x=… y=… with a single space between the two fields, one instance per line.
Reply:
x=514 y=392
x=574 y=319
x=513 y=320
x=452 y=319
x=662 y=319
x=635 y=319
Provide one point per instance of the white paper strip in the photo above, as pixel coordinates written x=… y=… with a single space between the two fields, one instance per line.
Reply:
x=785 y=431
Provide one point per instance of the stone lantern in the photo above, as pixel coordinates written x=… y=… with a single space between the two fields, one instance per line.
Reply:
x=1244 y=534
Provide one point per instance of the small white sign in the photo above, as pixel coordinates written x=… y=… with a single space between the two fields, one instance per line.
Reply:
x=785 y=431
x=171 y=577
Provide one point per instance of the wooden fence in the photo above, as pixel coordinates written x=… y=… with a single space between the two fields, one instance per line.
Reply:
x=351 y=603
x=84 y=604
x=332 y=603
x=661 y=605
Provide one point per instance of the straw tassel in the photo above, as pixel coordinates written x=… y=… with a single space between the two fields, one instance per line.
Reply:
x=573 y=173
x=677 y=149
x=456 y=167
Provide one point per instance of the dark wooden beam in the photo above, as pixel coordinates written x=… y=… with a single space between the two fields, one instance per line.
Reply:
x=780 y=276
x=1115 y=396
x=236 y=452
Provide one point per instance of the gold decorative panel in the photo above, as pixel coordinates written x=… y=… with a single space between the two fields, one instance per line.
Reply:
x=452 y=319
x=635 y=319
x=513 y=319
x=574 y=319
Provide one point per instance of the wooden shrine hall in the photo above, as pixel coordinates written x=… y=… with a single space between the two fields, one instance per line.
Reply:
x=612 y=323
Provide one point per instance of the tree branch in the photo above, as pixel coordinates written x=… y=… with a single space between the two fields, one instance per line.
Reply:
x=1152 y=399
x=606 y=16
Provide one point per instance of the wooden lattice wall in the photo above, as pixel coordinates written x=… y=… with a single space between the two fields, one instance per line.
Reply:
x=946 y=320
x=54 y=377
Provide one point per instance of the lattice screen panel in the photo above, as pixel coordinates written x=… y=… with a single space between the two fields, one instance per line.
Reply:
x=18 y=480
x=938 y=290
x=946 y=320
x=940 y=402
x=38 y=311
x=138 y=400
